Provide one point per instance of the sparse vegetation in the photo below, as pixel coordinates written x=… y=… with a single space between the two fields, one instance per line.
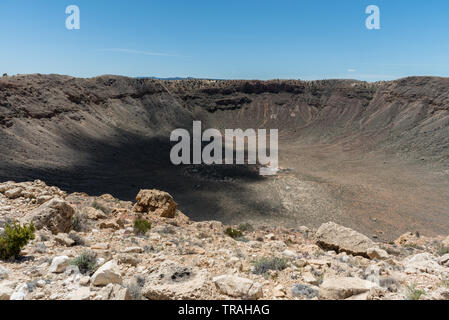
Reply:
x=412 y=245
x=86 y=262
x=265 y=264
x=14 y=239
x=442 y=250
x=319 y=278
x=413 y=293
x=100 y=207
x=79 y=223
x=76 y=222
x=246 y=227
x=141 y=226
x=135 y=287
x=445 y=283
x=233 y=233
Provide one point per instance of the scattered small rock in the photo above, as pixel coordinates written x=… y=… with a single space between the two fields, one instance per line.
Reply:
x=63 y=238
x=377 y=253
x=238 y=287
x=59 y=264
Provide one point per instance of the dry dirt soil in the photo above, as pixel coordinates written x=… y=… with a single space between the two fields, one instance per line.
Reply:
x=370 y=156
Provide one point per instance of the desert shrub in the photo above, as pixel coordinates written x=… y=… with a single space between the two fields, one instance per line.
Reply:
x=233 y=233
x=303 y=290
x=141 y=226
x=265 y=264
x=135 y=287
x=412 y=246
x=413 y=293
x=80 y=223
x=86 y=262
x=319 y=278
x=246 y=227
x=442 y=250
x=14 y=238
x=76 y=222
x=100 y=207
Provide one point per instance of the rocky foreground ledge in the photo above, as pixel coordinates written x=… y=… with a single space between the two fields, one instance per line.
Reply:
x=88 y=248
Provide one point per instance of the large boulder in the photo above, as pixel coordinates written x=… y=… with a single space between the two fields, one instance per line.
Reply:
x=156 y=202
x=377 y=253
x=336 y=288
x=331 y=236
x=14 y=193
x=55 y=215
x=174 y=282
x=238 y=287
x=5 y=186
x=424 y=263
x=106 y=274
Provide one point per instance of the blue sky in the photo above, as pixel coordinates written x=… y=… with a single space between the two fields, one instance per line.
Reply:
x=226 y=39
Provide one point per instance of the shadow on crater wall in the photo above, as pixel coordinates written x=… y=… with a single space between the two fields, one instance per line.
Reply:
x=129 y=163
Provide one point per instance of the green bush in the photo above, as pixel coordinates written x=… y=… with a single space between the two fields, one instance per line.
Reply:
x=234 y=233
x=445 y=283
x=413 y=293
x=141 y=226
x=412 y=245
x=76 y=222
x=80 y=223
x=99 y=206
x=14 y=239
x=263 y=265
x=86 y=262
x=442 y=250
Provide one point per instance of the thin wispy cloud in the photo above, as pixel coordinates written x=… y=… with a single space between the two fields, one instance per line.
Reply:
x=405 y=64
x=352 y=70
x=139 y=52
x=358 y=76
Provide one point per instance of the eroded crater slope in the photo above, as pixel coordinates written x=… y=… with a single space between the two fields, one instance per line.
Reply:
x=371 y=156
